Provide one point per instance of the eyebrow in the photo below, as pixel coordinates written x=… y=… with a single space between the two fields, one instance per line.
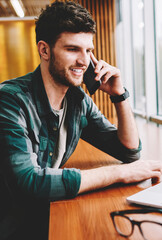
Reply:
x=75 y=46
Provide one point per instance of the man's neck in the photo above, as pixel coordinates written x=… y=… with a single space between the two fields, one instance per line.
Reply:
x=55 y=91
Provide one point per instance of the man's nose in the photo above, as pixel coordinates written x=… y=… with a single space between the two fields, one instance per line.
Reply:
x=83 y=59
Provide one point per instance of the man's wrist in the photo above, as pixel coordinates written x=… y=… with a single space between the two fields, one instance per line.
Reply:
x=120 y=98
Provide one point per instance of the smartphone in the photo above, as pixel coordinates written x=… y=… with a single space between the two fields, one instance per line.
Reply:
x=89 y=79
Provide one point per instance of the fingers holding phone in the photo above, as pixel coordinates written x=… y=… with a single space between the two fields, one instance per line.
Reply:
x=108 y=76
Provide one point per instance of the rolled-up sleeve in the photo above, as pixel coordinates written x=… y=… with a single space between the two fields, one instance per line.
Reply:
x=72 y=180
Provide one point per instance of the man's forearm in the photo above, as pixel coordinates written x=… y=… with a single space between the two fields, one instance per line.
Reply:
x=127 y=129
x=98 y=178
x=112 y=85
x=133 y=172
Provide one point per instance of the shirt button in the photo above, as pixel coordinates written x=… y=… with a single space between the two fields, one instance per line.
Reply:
x=51 y=153
x=54 y=128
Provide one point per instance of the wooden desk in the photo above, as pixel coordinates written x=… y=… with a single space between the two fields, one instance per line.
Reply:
x=87 y=217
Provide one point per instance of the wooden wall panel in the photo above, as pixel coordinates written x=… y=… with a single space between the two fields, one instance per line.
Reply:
x=18 y=54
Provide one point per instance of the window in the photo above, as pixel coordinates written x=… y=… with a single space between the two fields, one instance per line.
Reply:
x=158 y=49
x=139 y=54
x=137 y=21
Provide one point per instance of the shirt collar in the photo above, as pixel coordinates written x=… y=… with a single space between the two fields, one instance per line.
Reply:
x=39 y=92
x=76 y=92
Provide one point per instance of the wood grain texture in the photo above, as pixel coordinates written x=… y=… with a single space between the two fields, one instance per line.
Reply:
x=88 y=215
x=19 y=53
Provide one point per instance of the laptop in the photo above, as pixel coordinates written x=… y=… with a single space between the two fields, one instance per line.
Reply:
x=151 y=196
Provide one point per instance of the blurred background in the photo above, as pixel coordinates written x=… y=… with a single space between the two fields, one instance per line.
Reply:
x=129 y=36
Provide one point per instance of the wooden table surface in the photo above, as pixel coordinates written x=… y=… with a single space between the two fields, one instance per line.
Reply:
x=87 y=217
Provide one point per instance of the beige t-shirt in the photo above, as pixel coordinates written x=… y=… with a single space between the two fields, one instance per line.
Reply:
x=61 y=143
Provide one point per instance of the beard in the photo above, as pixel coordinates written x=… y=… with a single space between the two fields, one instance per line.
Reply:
x=60 y=75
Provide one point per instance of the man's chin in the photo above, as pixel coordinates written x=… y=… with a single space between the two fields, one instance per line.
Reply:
x=76 y=83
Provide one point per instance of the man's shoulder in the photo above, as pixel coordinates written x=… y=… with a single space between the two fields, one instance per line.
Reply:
x=17 y=85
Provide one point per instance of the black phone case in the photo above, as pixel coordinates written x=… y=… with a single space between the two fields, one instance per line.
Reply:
x=89 y=79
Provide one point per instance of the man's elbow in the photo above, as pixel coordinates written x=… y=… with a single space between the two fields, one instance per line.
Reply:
x=133 y=157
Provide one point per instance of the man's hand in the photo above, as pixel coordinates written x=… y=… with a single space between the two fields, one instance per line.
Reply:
x=141 y=170
x=127 y=173
x=110 y=77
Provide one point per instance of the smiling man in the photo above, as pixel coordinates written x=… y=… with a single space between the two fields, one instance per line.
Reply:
x=44 y=113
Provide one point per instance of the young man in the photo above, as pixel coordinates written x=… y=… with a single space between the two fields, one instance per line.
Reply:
x=42 y=117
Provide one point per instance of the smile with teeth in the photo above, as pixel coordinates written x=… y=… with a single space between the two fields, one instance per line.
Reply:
x=77 y=70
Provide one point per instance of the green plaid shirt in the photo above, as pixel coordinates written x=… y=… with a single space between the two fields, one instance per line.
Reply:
x=29 y=132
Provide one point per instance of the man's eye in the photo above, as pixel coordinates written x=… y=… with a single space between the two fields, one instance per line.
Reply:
x=72 y=49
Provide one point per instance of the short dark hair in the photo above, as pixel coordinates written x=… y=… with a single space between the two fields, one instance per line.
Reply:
x=62 y=17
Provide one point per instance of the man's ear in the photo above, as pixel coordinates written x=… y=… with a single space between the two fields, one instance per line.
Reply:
x=44 y=50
